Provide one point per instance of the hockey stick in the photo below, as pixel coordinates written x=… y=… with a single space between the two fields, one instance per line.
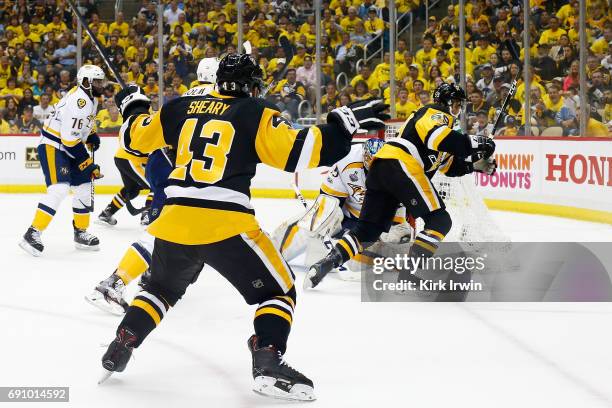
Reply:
x=93 y=187
x=97 y=44
x=505 y=104
x=288 y=49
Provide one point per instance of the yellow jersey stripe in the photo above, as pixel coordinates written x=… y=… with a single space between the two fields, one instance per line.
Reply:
x=288 y=299
x=274 y=311
x=50 y=150
x=147 y=308
x=294 y=229
x=353 y=165
x=434 y=233
x=53 y=132
x=70 y=143
x=315 y=157
x=275 y=259
x=328 y=190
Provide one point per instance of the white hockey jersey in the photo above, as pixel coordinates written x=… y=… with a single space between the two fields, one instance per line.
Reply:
x=346 y=181
x=71 y=122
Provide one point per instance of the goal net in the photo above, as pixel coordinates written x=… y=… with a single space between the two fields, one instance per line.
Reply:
x=472 y=220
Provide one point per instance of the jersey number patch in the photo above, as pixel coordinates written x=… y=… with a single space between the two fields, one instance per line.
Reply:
x=210 y=168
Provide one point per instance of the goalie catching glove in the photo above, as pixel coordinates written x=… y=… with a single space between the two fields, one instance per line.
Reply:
x=368 y=114
x=131 y=100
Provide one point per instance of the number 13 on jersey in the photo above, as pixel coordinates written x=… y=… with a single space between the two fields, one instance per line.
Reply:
x=215 y=154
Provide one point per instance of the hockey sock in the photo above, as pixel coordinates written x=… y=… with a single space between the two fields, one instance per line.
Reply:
x=116 y=203
x=149 y=200
x=81 y=203
x=144 y=314
x=273 y=320
x=348 y=246
x=134 y=263
x=48 y=205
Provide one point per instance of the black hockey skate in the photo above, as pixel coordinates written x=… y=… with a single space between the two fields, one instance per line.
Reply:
x=108 y=296
x=118 y=353
x=106 y=217
x=85 y=240
x=273 y=377
x=319 y=270
x=31 y=242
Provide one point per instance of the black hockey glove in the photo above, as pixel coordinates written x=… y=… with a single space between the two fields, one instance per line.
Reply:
x=482 y=146
x=93 y=141
x=90 y=169
x=487 y=166
x=368 y=114
x=131 y=100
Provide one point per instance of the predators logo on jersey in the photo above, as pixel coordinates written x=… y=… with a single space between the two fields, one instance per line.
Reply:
x=81 y=103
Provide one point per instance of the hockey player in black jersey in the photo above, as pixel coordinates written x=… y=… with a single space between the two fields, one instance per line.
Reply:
x=401 y=173
x=208 y=217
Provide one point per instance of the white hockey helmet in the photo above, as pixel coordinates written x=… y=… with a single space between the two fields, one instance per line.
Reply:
x=207 y=70
x=91 y=73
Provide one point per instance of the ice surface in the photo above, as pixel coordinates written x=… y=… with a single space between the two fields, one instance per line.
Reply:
x=358 y=354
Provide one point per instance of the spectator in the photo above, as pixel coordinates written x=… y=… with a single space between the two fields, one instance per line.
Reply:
x=476 y=104
x=27 y=100
x=573 y=77
x=482 y=53
x=5 y=127
x=365 y=74
x=307 y=75
x=553 y=101
x=373 y=24
x=403 y=107
x=10 y=93
x=551 y=36
x=151 y=87
x=360 y=36
x=543 y=64
x=361 y=91
x=27 y=123
x=382 y=72
x=481 y=124
x=180 y=55
x=425 y=55
x=113 y=122
x=485 y=84
x=11 y=114
x=43 y=110
x=171 y=14
x=595 y=93
x=347 y=55
x=424 y=99
x=179 y=87
x=594 y=128
x=64 y=57
x=510 y=128
x=349 y=22
x=288 y=93
x=331 y=99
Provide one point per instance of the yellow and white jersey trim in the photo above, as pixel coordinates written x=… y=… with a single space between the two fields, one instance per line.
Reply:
x=72 y=120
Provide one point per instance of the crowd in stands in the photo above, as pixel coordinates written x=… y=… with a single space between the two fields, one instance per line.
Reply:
x=38 y=57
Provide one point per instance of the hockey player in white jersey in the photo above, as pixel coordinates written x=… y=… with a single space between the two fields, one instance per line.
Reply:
x=336 y=209
x=66 y=162
x=108 y=295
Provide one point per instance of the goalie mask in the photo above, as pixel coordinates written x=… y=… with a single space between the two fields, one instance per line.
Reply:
x=370 y=147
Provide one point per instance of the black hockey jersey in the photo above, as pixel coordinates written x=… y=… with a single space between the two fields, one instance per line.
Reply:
x=219 y=140
x=427 y=142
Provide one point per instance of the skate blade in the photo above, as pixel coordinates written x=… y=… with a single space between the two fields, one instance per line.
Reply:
x=299 y=392
x=83 y=247
x=105 y=376
x=96 y=299
x=29 y=248
x=106 y=224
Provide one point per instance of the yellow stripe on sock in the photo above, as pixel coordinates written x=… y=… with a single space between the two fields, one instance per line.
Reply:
x=50 y=150
x=288 y=299
x=426 y=246
x=347 y=248
x=41 y=219
x=434 y=233
x=271 y=310
x=147 y=308
x=131 y=266
x=81 y=221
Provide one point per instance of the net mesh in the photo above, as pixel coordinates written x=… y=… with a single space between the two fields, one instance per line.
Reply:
x=472 y=220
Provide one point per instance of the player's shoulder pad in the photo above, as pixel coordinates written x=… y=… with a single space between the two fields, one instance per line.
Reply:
x=352 y=160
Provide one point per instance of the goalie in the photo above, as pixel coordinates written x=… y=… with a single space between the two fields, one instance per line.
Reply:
x=337 y=210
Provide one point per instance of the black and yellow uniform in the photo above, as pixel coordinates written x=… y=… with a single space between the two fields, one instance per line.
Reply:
x=208 y=217
x=401 y=174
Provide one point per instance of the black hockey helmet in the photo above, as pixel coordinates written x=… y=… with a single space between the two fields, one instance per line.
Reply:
x=446 y=93
x=238 y=74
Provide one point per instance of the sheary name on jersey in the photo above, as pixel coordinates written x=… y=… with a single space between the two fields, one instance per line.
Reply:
x=219 y=141
x=72 y=121
x=346 y=181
